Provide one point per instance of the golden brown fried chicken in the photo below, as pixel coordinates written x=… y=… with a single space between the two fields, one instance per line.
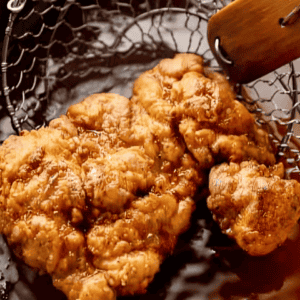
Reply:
x=253 y=204
x=85 y=201
x=98 y=198
x=180 y=94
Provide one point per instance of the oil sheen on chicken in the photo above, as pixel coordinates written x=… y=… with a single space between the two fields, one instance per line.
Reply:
x=253 y=204
x=98 y=198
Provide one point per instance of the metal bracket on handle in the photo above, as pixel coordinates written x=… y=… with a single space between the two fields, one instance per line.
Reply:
x=291 y=17
x=15 y=6
x=220 y=54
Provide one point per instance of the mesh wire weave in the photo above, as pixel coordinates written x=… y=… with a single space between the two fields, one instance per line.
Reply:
x=55 y=43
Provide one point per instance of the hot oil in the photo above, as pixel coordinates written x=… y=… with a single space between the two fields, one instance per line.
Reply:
x=273 y=276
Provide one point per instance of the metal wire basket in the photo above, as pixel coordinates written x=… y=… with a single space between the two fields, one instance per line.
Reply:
x=55 y=52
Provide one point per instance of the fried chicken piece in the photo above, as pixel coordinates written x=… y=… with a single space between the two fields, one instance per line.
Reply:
x=253 y=204
x=181 y=94
x=96 y=199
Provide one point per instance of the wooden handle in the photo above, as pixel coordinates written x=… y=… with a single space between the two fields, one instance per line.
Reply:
x=251 y=37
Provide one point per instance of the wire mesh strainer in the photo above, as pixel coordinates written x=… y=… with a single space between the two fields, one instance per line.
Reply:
x=55 y=44
x=55 y=52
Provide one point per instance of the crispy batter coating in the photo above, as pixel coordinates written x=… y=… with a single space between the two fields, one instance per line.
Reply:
x=98 y=198
x=201 y=106
x=253 y=204
x=88 y=205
